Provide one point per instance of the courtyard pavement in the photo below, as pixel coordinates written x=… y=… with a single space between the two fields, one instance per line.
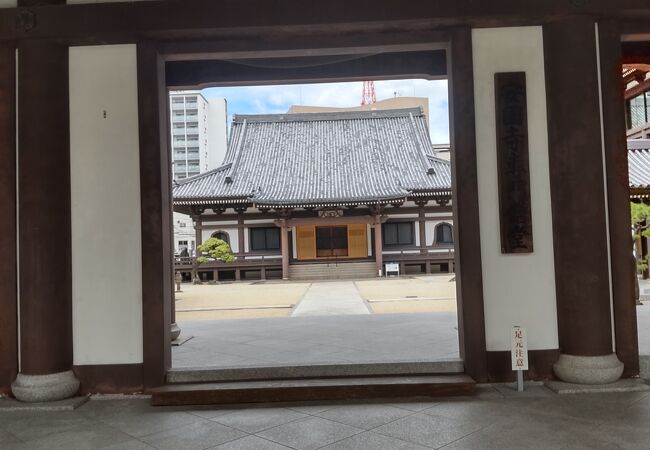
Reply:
x=497 y=418
x=336 y=298
x=405 y=319
x=357 y=338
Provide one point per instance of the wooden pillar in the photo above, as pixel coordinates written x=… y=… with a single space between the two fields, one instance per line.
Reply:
x=198 y=234
x=8 y=231
x=618 y=191
x=284 y=238
x=644 y=255
x=578 y=195
x=156 y=216
x=45 y=221
x=240 y=234
x=469 y=279
x=379 y=257
x=422 y=225
x=198 y=240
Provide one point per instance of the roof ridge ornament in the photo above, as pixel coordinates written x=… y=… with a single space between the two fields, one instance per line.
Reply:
x=418 y=144
x=231 y=172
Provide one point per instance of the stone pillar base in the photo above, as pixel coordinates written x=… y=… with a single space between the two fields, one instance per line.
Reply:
x=588 y=369
x=175 y=331
x=45 y=388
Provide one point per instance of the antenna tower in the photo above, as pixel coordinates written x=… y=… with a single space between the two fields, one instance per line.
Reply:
x=368 y=93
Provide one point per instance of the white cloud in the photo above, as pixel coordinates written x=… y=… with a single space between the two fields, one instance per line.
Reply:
x=278 y=98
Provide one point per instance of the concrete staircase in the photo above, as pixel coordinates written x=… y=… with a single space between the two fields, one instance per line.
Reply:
x=332 y=271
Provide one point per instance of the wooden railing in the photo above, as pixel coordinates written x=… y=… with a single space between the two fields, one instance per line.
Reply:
x=414 y=254
x=250 y=259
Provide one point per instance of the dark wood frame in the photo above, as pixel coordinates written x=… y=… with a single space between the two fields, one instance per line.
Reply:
x=346 y=22
x=155 y=171
x=8 y=225
x=618 y=196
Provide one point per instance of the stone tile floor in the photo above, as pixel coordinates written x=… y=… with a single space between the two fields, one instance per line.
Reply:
x=318 y=339
x=497 y=418
x=366 y=338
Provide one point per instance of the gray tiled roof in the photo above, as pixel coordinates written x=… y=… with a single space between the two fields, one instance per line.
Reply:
x=639 y=167
x=323 y=158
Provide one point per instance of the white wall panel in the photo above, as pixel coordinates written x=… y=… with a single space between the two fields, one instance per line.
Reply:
x=233 y=235
x=105 y=193
x=517 y=289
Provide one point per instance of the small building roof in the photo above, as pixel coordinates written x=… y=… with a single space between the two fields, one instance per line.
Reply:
x=321 y=159
x=639 y=167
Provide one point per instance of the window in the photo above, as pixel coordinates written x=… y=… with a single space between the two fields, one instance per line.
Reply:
x=398 y=233
x=444 y=234
x=638 y=110
x=181 y=243
x=221 y=235
x=266 y=238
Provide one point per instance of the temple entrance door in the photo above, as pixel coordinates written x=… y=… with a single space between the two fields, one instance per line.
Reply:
x=331 y=241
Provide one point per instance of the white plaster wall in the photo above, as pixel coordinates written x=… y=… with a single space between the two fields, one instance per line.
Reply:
x=517 y=289
x=105 y=194
x=8 y=3
x=430 y=229
x=233 y=233
x=440 y=214
x=219 y=223
x=257 y=221
x=397 y=215
x=416 y=230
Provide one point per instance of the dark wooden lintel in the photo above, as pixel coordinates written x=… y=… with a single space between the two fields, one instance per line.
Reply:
x=124 y=21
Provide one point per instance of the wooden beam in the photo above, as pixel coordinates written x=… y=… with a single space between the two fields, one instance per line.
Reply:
x=124 y=21
x=637 y=90
x=202 y=73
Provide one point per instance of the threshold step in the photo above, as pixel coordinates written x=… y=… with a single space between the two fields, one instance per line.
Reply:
x=312 y=389
x=286 y=372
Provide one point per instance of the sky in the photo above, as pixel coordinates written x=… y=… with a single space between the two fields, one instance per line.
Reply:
x=278 y=99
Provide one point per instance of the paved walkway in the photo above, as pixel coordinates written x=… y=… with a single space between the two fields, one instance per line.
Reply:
x=320 y=301
x=359 y=338
x=498 y=418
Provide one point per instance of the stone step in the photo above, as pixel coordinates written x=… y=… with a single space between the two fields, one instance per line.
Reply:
x=312 y=389
x=332 y=271
x=219 y=374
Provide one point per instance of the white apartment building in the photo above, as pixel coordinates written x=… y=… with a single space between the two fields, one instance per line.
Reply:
x=199 y=139
x=198 y=132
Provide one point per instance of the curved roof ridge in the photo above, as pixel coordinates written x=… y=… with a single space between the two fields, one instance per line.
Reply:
x=203 y=174
x=336 y=115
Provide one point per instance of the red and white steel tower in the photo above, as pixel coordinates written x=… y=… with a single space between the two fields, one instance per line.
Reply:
x=368 y=93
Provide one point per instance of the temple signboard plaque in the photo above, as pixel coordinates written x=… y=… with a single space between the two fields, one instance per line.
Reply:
x=512 y=163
